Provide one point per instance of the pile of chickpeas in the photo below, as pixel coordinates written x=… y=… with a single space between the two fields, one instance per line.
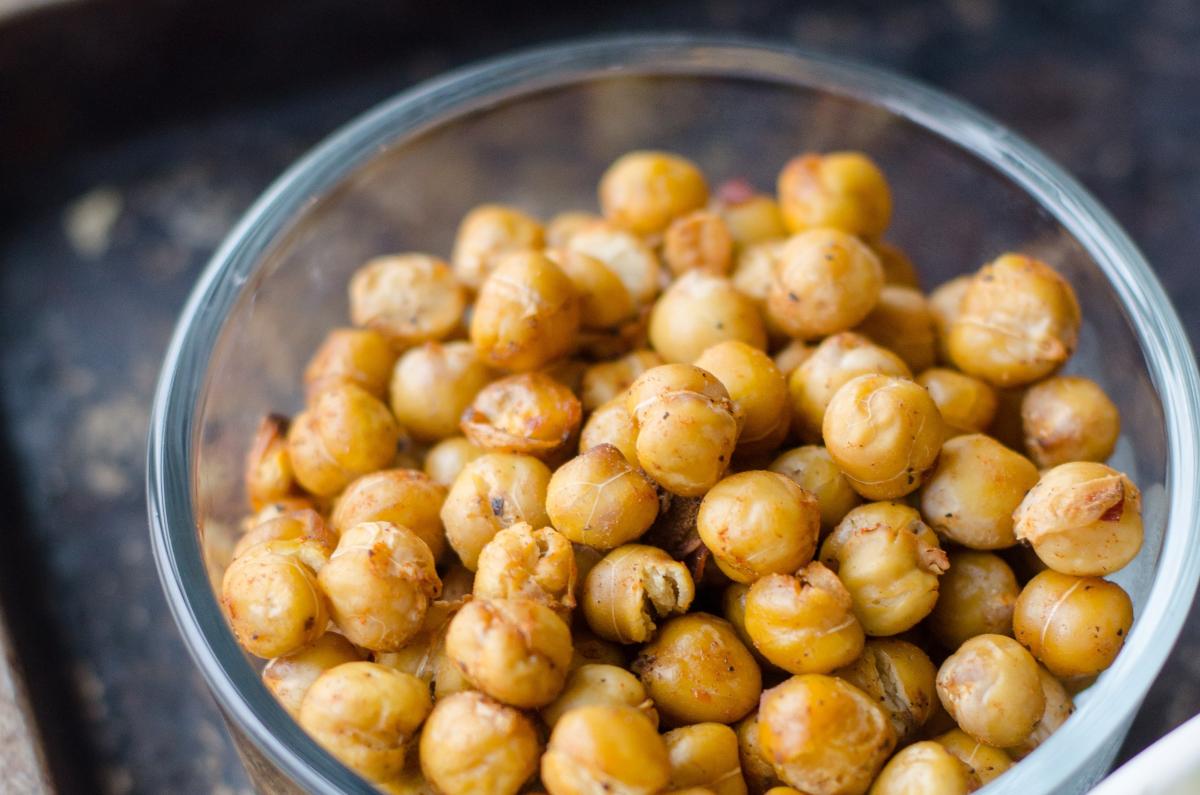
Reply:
x=699 y=494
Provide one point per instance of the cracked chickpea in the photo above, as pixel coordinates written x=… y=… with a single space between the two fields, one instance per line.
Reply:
x=630 y=588
x=901 y=321
x=991 y=688
x=698 y=241
x=967 y=404
x=304 y=523
x=409 y=298
x=644 y=191
x=757 y=387
x=705 y=755
x=486 y=235
x=842 y=190
x=1075 y=626
x=528 y=413
x=605 y=748
x=268 y=474
x=351 y=355
x=597 y=683
x=346 y=433
x=824 y=281
x=433 y=384
x=901 y=678
x=700 y=310
x=492 y=492
x=1059 y=707
x=403 y=497
x=521 y=562
x=811 y=468
x=986 y=761
x=927 y=768
x=976 y=596
x=289 y=677
x=1069 y=418
x=472 y=744
x=623 y=253
x=600 y=499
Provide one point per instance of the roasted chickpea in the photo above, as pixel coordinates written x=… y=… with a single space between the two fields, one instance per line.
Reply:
x=604 y=300
x=365 y=714
x=529 y=413
x=446 y=459
x=975 y=597
x=804 y=623
x=757 y=387
x=698 y=241
x=304 y=524
x=409 y=298
x=606 y=380
x=898 y=268
x=966 y=403
x=410 y=782
x=823 y=735
x=699 y=310
x=492 y=492
x=433 y=384
x=600 y=499
x=791 y=356
x=825 y=281
x=754 y=269
x=884 y=433
x=883 y=553
x=362 y=357
x=486 y=235
x=1069 y=418
x=605 y=748
x=733 y=610
x=645 y=191
x=902 y=322
x=756 y=768
x=1018 y=321
x=1075 y=626
x=346 y=433
x=610 y=424
x=280 y=507
x=1059 y=707
x=835 y=361
x=526 y=315
x=705 y=755
x=926 y=768
x=591 y=650
x=985 y=761
x=697 y=669
x=402 y=497
x=945 y=304
x=268 y=474
x=784 y=791
x=472 y=744
x=901 y=678
x=523 y=563
x=757 y=523
x=563 y=226
x=843 y=190
x=289 y=677
x=623 y=253
x=599 y=684
x=271 y=597
x=991 y=688
x=1082 y=518
x=631 y=587
x=970 y=496
x=811 y=468
x=751 y=217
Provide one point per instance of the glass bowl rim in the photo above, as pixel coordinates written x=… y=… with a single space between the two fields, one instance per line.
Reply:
x=178 y=397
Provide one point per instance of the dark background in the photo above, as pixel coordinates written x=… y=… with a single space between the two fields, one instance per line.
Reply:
x=132 y=134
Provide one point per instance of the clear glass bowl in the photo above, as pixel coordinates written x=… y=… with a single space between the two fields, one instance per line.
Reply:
x=536 y=130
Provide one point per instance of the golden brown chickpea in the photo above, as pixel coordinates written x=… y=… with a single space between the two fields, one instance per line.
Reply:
x=611 y=424
x=409 y=782
x=784 y=791
x=882 y=552
x=699 y=310
x=1069 y=418
x=433 y=384
x=630 y=587
x=526 y=315
x=605 y=748
x=380 y=582
x=757 y=387
x=624 y=254
x=446 y=459
x=529 y=413
x=975 y=597
x=523 y=563
x=1082 y=518
x=970 y=496
x=289 y=677
x=644 y=191
x=1059 y=707
x=515 y=650
x=898 y=268
x=825 y=281
x=606 y=380
x=804 y=623
x=563 y=226
x=823 y=735
x=733 y=610
x=811 y=468
x=698 y=241
x=351 y=355
x=901 y=678
x=757 y=523
x=365 y=714
x=599 y=684
x=604 y=300
x=966 y=403
x=755 y=268
x=843 y=190
x=884 y=433
x=756 y=768
x=281 y=506
x=1018 y=321
x=835 y=361
x=705 y=755
x=492 y=492
x=1075 y=626
x=985 y=761
x=687 y=427
x=591 y=650
x=271 y=597
x=486 y=235
x=472 y=744
x=600 y=499
x=991 y=688
x=346 y=433
x=268 y=474
x=302 y=524
x=926 y=768
x=697 y=669
x=792 y=355
x=402 y=497
x=409 y=298
x=751 y=217
x=902 y=322
x=945 y=303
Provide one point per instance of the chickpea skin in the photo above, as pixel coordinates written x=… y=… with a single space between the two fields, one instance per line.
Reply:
x=433 y=384
x=824 y=281
x=486 y=235
x=705 y=755
x=472 y=744
x=631 y=587
x=1069 y=418
x=402 y=497
x=409 y=298
x=521 y=562
x=975 y=597
x=1059 y=707
x=528 y=413
x=598 y=683
x=991 y=688
x=757 y=387
x=601 y=500
x=363 y=357
x=901 y=678
x=700 y=310
x=811 y=468
x=843 y=190
x=928 y=768
x=1075 y=626
x=986 y=762
x=644 y=191
x=345 y=434
x=967 y=404
x=289 y=677
x=605 y=748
